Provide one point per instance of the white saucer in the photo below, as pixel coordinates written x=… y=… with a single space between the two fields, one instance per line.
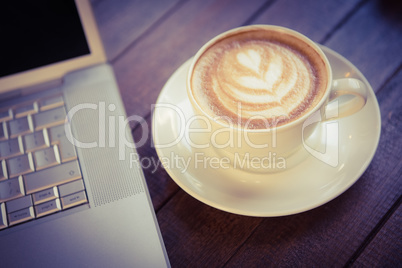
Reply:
x=301 y=188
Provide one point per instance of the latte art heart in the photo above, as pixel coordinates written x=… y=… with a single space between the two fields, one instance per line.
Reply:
x=254 y=83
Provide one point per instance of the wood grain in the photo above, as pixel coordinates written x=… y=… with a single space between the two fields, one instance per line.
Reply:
x=122 y=24
x=197 y=235
x=371 y=40
x=387 y=244
x=313 y=18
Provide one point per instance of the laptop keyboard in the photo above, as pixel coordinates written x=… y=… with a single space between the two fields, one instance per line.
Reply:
x=39 y=170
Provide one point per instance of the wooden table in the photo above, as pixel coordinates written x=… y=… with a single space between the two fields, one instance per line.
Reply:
x=146 y=41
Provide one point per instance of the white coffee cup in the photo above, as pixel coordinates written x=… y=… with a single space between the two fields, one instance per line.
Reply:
x=255 y=150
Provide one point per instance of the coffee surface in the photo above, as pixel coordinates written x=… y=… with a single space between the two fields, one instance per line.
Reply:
x=258 y=82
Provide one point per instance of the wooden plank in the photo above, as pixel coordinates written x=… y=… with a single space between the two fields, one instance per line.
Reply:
x=144 y=69
x=312 y=18
x=121 y=23
x=372 y=40
x=329 y=235
x=386 y=248
x=200 y=236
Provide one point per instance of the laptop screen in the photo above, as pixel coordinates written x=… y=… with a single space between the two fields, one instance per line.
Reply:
x=41 y=41
x=33 y=36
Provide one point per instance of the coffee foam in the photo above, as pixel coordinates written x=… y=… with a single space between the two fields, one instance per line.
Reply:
x=257 y=81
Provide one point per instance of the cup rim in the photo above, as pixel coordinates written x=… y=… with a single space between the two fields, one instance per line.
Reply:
x=241 y=29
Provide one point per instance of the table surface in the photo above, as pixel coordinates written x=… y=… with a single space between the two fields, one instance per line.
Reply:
x=146 y=41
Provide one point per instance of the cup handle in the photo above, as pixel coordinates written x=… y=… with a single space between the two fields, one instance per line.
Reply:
x=347 y=97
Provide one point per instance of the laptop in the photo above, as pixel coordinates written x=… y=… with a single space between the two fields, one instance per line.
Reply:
x=72 y=192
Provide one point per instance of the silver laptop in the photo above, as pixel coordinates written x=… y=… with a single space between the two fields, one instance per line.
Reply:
x=72 y=192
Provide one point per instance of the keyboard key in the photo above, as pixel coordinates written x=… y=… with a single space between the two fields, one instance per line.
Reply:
x=3 y=170
x=6 y=115
x=3 y=135
x=46 y=158
x=19 y=126
x=3 y=216
x=50 y=103
x=20 y=165
x=53 y=176
x=71 y=187
x=18 y=204
x=10 y=148
x=49 y=118
x=36 y=140
x=48 y=208
x=45 y=195
x=74 y=200
x=11 y=189
x=66 y=148
x=19 y=216
x=56 y=134
x=26 y=109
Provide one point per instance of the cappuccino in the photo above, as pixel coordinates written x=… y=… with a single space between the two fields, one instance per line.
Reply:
x=258 y=79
